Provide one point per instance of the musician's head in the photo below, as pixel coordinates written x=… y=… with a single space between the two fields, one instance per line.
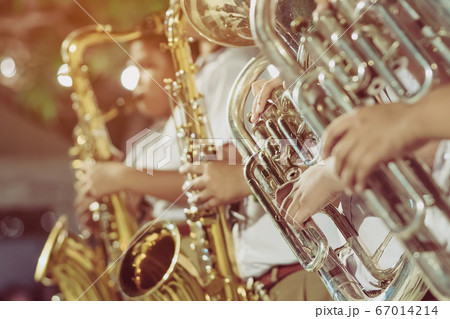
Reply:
x=154 y=64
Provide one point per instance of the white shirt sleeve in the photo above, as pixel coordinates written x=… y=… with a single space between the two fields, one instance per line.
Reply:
x=215 y=81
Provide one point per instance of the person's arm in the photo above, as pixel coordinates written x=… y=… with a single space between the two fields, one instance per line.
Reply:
x=431 y=115
x=362 y=139
x=109 y=177
x=165 y=185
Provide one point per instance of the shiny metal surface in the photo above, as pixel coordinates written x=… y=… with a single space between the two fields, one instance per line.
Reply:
x=155 y=269
x=222 y=22
x=265 y=173
x=67 y=261
x=359 y=49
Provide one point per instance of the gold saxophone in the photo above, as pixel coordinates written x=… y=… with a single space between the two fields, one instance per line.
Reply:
x=154 y=268
x=82 y=272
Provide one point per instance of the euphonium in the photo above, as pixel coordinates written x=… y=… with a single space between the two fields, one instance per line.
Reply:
x=274 y=148
x=67 y=258
x=361 y=48
x=154 y=268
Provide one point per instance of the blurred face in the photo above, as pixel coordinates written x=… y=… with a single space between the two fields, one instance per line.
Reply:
x=152 y=100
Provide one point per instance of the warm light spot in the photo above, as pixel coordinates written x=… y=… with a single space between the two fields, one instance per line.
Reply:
x=63 y=76
x=130 y=77
x=273 y=71
x=8 y=67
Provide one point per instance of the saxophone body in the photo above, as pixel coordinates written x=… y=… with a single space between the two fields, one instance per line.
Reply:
x=84 y=268
x=361 y=49
x=151 y=272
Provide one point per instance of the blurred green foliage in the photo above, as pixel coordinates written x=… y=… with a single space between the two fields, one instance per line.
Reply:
x=40 y=94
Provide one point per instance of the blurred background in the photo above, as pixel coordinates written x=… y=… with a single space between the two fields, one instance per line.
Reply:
x=36 y=121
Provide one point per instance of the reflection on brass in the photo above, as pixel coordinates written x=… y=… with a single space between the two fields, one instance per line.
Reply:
x=154 y=268
x=69 y=262
x=223 y=22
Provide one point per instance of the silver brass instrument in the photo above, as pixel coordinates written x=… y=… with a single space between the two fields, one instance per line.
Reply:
x=266 y=169
x=154 y=268
x=360 y=48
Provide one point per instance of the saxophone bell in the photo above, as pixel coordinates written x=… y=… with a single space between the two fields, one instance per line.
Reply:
x=66 y=260
x=154 y=267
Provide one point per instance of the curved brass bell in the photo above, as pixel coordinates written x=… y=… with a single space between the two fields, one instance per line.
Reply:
x=154 y=268
x=223 y=22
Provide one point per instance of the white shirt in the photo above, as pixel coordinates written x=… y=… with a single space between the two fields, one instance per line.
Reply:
x=258 y=244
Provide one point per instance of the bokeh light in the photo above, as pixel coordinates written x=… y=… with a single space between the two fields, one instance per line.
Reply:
x=130 y=77
x=8 y=67
x=273 y=71
x=63 y=76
